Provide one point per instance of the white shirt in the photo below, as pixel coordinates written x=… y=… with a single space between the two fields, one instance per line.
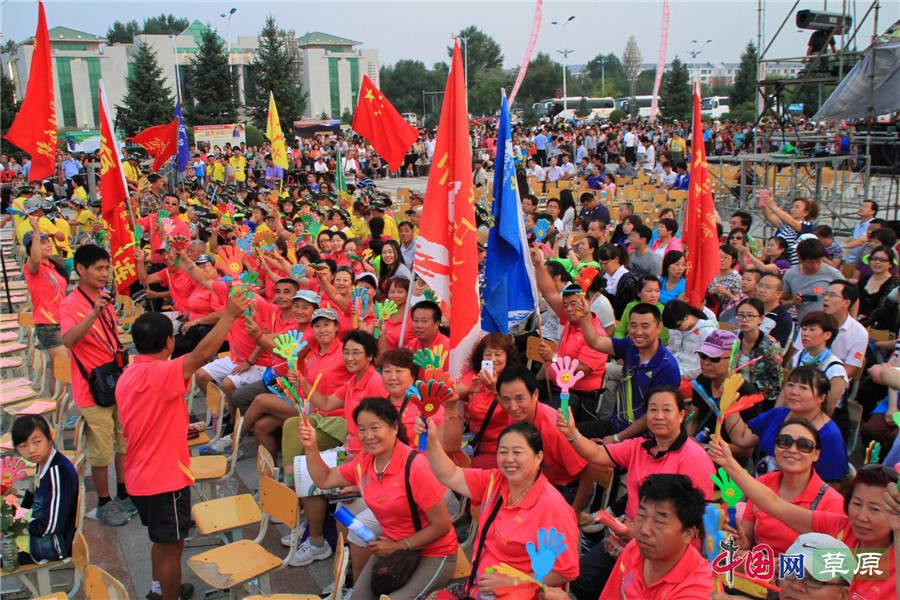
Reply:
x=612 y=281
x=667 y=180
x=320 y=167
x=429 y=148
x=568 y=169
x=649 y=158
x=629 y=139
x=601 y=307
x=849 y=345
x=554 y=173
x=859 y=230
x=537 y=172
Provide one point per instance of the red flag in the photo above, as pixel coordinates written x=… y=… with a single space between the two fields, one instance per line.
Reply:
x=379 y=122
x=446 y=249
x=114 y=195
x=34 y=129
x=160 y=141
x=700 y=240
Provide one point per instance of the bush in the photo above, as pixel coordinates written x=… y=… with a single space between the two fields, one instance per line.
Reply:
x=254 y=136
x=617 y=115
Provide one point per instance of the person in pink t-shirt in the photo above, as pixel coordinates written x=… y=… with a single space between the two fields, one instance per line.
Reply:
x=380 y=473
x=425 y=320
x=669 y=451
x=150 y=397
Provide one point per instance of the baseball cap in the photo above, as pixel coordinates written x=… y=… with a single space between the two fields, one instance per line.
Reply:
x=29 y=236
x=204 y=258
x=324 y=313
x=718 y=343
x=33 y=205
x=813 y=547
x=308 y=296
x=370 y=277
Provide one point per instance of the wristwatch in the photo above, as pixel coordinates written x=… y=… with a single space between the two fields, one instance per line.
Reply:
x=554 y=359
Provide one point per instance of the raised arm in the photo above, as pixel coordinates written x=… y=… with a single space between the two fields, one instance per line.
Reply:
x=545 y=282
x=323 y=476
x=442 y=466
x=591 y=337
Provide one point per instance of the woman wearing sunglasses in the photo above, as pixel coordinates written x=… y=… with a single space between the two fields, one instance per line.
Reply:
x=765 y=373
x=797 y=448
x=804 y=396
x=869 y=526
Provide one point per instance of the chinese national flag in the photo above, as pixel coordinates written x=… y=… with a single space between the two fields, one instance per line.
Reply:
x=446 y=249
x=700 y=240
x=160 y=141
x=379 y=122
x=34 y=129
x=113 y=191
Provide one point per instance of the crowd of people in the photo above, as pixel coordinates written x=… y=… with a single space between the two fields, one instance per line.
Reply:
x=266 y=253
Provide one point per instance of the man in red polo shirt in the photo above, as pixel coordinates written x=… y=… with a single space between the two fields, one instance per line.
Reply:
x=150 y=396
x=660 y=562
x=425 y=320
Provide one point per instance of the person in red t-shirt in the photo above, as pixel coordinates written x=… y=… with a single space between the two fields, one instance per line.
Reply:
x=425 y=320
x=571 y=474
x=88 y=326
x=380 y=474
x=47 y=288
x=150 y=396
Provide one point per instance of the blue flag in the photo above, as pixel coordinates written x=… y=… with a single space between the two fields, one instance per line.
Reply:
x=183 y=158
x=509 y=294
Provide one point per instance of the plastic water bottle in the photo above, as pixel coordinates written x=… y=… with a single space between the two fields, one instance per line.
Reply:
x=703 y=435
x=349 y=520
x=602 y=195
x=485 y=595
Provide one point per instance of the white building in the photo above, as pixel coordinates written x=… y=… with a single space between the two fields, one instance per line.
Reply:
x=328 y=67
x=331 y=70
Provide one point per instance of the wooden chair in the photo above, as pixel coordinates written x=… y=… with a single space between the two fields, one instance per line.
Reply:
x=265 y=464
x=225 y=517
x=855 y=412
x=215 y=407
x=880 y=335
x=339 y=569
x=230 y=567
x=727 y=327
x=463 y=566
x=210 y=470
x=604 y=478
x=100 y=585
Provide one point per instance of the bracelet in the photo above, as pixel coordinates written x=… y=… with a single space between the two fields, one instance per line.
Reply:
x=408 y=545
x=574 y=439
x=616 y=437
x=255 y=339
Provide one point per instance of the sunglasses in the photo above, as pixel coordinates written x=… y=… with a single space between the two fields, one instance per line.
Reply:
x=712 y=359
x=785 y=441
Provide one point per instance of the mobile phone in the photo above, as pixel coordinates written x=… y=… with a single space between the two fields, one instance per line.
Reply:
x=809 y=297
x=764 y=196
x=488 y=365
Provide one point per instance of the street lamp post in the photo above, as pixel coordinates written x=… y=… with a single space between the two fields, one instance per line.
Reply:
x=603 y=75
x=565 y=54
x=228 y=41
x=175 y=51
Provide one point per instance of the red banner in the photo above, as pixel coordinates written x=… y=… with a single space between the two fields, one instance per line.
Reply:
x=34 y=129
x=160 y=141
x=700 y=240
x=446 y=249
x=114 y=195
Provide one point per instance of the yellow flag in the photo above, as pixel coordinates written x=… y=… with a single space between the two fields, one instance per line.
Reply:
x=273 y=132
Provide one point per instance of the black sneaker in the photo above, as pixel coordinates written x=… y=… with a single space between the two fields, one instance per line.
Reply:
x=184 y=592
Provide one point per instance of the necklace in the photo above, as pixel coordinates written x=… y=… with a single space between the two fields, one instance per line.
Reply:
x=380 y=475
x=522 y=495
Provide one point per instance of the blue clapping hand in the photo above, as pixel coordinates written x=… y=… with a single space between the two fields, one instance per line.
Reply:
x=246 y=242
x=550 y=545
x=298 y=272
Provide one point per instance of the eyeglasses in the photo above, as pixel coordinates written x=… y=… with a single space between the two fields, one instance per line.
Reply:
x=883 y=259
x=353 y=353
x=785 y=441
x=832 y=295
x=712 y=359
x=746 y=316
x=808 y=582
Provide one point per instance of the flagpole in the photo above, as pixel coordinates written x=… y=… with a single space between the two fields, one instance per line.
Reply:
x=540 y=330
x=407 y=311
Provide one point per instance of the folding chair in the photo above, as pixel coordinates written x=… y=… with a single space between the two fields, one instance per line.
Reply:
x=210 y=470
x=339 y=569
x=215 y=409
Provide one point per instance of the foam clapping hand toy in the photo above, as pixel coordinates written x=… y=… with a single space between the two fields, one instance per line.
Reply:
x=179 y=243
x=138 y=236
x=430 y=357
x=360 y=298
x=542 y=228
x=586 y=277
x=384 y=311
x=245 y=243
x=298 y=272
x=288 y=346
x=731 y=494
x=252 y=281
x=230 y=261
x=567 y=375
x=428 y=398
x=550 y=545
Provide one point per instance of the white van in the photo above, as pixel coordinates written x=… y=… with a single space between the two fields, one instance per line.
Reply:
x=714 y=106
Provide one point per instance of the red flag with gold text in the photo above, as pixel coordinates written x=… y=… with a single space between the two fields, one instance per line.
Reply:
x=446 y=249
x=114 y=193
x=700 y=239
x=34 y=129
x=160 y=141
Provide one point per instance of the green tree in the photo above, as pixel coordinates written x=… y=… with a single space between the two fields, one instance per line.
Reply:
x=164 y=25
x=254 y=136
x=8 y=46
x=644 y=84
x=346 y=117
x=675 y=95
x=273 y=71
x=403 y=83
x=147 y=101
x=583 y=109
x=122 y=33
x=210 y=83
x=607 y=76
x=480 y=51
x=484 y=96
x=745 y=79
x=8 y=110
x=543 y=78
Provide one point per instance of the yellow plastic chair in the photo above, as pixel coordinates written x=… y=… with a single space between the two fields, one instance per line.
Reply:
x=215 y=407
x=210 y=470
x=231 y=567
x=339 y=569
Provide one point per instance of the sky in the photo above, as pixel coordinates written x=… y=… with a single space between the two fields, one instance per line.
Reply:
x=422 y=29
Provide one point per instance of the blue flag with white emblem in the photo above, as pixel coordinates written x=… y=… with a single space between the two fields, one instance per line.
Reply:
x=183 y=157
x=509 y=293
